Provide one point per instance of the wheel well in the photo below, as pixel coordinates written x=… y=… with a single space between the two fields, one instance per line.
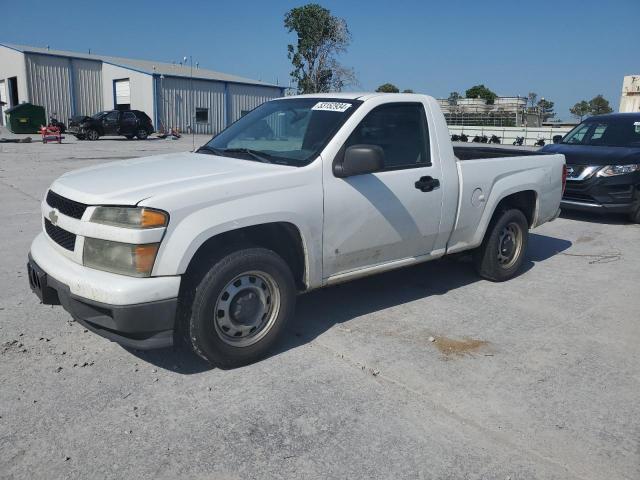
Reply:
x=524 y=201
x=282 y=237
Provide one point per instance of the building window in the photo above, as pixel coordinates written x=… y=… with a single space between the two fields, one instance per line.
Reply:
x=202 y=115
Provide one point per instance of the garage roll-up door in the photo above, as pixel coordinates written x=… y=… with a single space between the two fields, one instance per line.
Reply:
x=123 y=93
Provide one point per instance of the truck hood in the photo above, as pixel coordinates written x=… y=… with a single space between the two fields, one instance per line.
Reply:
x=595 y=155
x=128 y=182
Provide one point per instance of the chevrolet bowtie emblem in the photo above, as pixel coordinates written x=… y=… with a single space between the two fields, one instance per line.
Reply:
x=53 y=216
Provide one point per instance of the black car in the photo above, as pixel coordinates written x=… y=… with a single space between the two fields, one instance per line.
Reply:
x=128 y=123
x=603 y=164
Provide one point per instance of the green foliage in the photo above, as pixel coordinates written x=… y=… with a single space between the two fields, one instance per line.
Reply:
x=320 y=38
x=599 y=105
x=388 y=88
x=580 y=110
x=532 y=96
x=480 y=91
x=545 y=107
x=453 y=98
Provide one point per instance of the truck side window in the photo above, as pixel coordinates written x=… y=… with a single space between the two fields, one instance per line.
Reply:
x=400 y=130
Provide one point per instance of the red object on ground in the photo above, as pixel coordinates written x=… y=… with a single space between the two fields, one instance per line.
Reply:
x=51 y=134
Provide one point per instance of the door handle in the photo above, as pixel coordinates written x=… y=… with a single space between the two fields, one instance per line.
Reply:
x=427 y=184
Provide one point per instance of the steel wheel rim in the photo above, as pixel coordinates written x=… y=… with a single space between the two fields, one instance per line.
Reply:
x=142 y=134
x=246 y=308
x=92 y=135
x=509 y=245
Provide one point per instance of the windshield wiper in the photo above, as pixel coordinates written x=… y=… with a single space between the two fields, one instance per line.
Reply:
x=207 y=148
x=256 y=154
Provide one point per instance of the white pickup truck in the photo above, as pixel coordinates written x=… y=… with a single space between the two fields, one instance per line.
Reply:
x=211 y=247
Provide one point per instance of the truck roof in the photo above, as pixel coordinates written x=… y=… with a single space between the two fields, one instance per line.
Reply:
x=356 y=95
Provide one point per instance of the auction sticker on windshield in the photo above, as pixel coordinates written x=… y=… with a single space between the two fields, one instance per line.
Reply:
x=331 y=106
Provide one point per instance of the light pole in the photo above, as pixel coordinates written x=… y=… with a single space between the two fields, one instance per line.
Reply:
x=192 y=109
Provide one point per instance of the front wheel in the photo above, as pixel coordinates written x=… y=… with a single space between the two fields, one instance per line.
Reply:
x=92 y=135
x=142 y=134
x=234 y=315
x=502 y=251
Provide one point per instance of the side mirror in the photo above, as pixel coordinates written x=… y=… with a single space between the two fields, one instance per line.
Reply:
x=557 y=138
x=358 y=160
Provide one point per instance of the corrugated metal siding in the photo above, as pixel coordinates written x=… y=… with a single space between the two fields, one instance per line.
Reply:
x=174 y=104
x=49 y=84
x=247 y=97
x=87 y=80
x=50 y=80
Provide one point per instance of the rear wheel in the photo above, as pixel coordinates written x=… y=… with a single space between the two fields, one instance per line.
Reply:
x=92 y=135
x=235 y=313
x=142 y=134
x=502 y=251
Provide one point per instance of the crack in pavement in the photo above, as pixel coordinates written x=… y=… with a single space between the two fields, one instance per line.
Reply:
x=496 y=436
x=20 y=191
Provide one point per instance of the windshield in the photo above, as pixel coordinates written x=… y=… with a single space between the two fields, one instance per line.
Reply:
x=288 y=132
x=608 y=132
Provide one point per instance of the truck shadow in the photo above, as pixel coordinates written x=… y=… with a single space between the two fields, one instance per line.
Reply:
x=320 y=310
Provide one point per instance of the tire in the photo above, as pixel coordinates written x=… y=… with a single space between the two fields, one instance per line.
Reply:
x=635 y=216
x=236 y=311
x=142 y=134
x=92 y=135
x=502 y=251
x=129 y=137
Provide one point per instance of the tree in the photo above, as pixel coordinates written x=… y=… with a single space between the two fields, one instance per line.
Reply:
x=408 y=90
x=321 y=38
x=532 y=96
x=599 y=105
x=388 y=88
x=480 y=91
x=545 y=107
x=453 y=98
x=580 y=110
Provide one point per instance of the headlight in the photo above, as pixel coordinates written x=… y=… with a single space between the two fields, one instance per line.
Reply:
x=122 y=258
x=130 y=217
x=612 y=170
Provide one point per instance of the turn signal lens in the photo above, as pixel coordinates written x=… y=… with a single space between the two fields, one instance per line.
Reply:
x=130 y=217
x=153 y=218
x=145 y=255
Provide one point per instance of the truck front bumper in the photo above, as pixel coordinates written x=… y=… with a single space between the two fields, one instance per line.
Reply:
x=129 y=318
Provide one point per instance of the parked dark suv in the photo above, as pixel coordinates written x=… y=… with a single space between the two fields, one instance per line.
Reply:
x=128 y=123
x=603 y=164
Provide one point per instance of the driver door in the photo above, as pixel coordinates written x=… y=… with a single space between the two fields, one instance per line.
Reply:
x=110 y=123
x=380 y=217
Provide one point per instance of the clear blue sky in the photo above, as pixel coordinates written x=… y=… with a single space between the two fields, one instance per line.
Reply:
x=565 y=50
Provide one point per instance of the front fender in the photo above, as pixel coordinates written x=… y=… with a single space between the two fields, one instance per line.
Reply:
x=187 y=232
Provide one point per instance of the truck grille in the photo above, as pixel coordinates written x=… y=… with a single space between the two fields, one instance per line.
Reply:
x=60 y=236
x=65 y=206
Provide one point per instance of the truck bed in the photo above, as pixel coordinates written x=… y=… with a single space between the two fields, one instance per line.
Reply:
x=476 y=152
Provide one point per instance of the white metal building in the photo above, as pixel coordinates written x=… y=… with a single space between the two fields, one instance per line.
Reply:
x=173 y=95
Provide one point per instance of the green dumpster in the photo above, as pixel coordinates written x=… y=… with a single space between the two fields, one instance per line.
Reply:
x=25 y=118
